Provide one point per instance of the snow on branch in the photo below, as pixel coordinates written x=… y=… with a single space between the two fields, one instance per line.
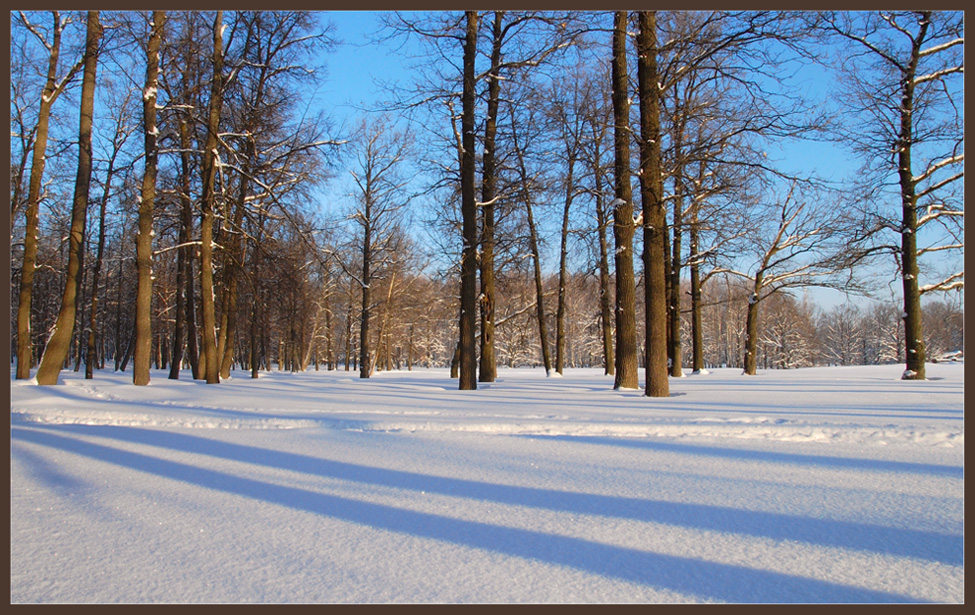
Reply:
x=952 y=282
x=941 y=47
x=938 y=74
x=940 y=184
x=937 y=165
x=937 y=210
x=952 y=246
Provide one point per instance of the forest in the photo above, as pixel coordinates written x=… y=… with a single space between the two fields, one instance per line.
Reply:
x=554 y=189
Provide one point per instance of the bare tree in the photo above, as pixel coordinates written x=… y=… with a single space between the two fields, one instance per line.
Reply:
x=380 y=156
x=53 y=88
x=527 y=185
x=468 y=266
x=903 y=84
x=796 y=244
x=654 y=209
x=208 y=203
x=597 y=119
x=143 y=304
x=123 y=130
x=627 y=375
x=57 y=346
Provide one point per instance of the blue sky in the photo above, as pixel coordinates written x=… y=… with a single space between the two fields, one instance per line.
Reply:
x=359 y=62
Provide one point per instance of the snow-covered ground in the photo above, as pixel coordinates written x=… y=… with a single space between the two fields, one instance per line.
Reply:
x=815 y=485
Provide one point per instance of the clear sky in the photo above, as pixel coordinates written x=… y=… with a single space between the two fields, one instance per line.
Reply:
x=358 y=66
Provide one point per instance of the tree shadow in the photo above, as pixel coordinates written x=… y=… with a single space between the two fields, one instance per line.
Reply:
x=692 y=577
x=848 y=463
x=933 y=546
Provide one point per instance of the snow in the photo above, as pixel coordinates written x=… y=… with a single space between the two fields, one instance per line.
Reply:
x=841 y=484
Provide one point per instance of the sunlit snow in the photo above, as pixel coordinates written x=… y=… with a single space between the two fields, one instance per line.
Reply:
x=813 y=485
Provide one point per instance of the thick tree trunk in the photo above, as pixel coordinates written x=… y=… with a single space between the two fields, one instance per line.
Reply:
x=468 y=267
x=913 y=333
x=207 y=204
x=627 y=374
x=654 y=214
x=56 y=351
x=25 y=346
x=488 y=371
x=143 y=258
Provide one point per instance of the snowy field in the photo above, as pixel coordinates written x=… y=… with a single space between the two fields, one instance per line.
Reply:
x=815 y=485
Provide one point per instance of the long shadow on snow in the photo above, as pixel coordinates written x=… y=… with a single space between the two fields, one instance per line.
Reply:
x=708 y=580
x=934 y=546
x=876 y=465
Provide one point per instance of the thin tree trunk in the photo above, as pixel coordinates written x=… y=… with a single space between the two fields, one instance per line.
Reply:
x=348 y=336
x=539 y=290
x=58 y=345
x=382 y=326
x=697 y=330
x=563 y=256
x=365 y=359
x=605 y=303
x=627 y=375
x=187 y=254
x=673 y=287
x=143 y=303
x=91 y=358
x=232 y=271
x=468 y=267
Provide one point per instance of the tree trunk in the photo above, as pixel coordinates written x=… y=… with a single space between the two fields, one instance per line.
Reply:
x=468 y=267
x=539 y=290
x=143 y=303
x=673 y=287
x=232 y=271
x=627 y=375
x=913 y=333
x=751 y=327
x=488 y=371
x=563 y=255
x=56 y=351
x=605 y=304
x=365 y=360
x=25 y=346
x=207 y=205
x=91 y=356
x=181 y=298
x=697 y=331
x=654 y=214
x=184 y=329
x=455 y=363
x=348 y=335
x=188 y=253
